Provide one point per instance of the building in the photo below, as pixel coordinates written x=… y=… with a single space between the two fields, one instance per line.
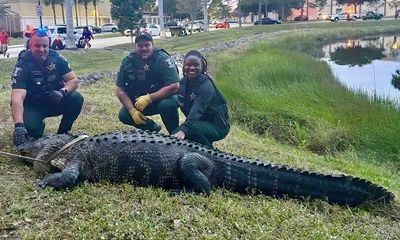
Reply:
x=22 y=12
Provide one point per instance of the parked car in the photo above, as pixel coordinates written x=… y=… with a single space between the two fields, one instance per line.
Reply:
x=222 y=24
x=153 y=29
x=322 y=16
x=372 y=15
x=198 y=26
x=109 y=27
x=300 y=18
x=79 y=29
x=264 y=21
x=170 y=24
x=95 y=29
x=59 y=32
x=344 y=16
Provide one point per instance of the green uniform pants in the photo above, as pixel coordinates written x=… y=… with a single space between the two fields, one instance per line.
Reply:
x=34 y=114
x=206 y=133
x=167 y=108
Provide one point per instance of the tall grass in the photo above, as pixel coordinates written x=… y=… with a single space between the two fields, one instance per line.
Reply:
x=277 y=89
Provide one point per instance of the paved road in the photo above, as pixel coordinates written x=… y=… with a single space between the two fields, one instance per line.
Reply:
x=99 y=43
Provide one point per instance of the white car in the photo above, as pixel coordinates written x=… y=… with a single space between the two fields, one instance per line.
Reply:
x=60 y=32
x=153 y=29
x=79 y=29
x=109 y=27
x=344 y=16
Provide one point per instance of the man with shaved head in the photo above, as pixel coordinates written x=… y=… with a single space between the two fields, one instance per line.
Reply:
x=43 y=85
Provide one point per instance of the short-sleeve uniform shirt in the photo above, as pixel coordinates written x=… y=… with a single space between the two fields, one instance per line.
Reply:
x=138 y=77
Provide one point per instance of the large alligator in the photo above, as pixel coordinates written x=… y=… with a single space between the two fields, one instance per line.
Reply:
x=150 y=159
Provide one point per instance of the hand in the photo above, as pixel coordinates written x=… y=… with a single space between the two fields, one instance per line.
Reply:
x=137 y=116
x=20 y=135
x=180 y=135
x=57 y=96
x=142 y=102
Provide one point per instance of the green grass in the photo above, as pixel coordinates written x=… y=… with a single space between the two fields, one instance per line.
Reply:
x=282 y=86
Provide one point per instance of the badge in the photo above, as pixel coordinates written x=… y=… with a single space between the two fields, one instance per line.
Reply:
x=146 y=67
x=169 y=63
x=51 y=67
x=14 y=80
x=17 y=71
x=192 y=97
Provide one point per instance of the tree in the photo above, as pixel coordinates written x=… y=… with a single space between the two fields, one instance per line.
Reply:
x=85 y=4
x=62 y=10
x=219 y=9
x=53 y=7
x=76 y=12
x=128 y=13
x=3 y=7
x=95 y=12
x=191 y=7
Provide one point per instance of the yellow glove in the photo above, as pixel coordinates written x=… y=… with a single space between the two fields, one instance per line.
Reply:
x=137 y=116
x=142 y=102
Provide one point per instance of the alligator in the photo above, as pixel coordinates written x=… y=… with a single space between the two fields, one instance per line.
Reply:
x=144 y=158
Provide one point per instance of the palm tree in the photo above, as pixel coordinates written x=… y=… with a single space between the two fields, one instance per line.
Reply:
x=53 y=7
x=95 y=11
x=62 y=9
x=76 y=12
x=85 y=4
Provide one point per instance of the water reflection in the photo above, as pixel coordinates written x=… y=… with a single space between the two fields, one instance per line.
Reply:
x=366 y=65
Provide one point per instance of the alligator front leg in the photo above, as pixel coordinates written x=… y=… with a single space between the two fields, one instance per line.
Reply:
x=68 y=178
x=196 y=171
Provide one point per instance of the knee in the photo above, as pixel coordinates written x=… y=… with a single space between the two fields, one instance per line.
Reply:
x=34 y=128
x=167 y=105
x=75 y=99
x=124 y=116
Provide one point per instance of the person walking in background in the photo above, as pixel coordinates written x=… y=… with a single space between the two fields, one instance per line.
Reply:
x=4 y=42
x=205 y=108
x=87 y=36
x=27 y=35
x=43 y=85
x=147 y=83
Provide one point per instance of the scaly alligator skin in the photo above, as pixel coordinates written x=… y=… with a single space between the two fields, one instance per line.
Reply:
x=148 y=159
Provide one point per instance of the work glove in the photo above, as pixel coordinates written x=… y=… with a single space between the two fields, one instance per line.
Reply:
x=142 y=102
x=137 y=116
x=56 y=96
x=20 y=135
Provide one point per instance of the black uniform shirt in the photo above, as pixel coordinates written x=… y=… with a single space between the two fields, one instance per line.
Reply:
x=38 y=79
x=200 y=100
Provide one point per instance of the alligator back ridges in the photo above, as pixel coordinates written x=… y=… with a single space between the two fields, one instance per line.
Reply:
x=245 y=175
x=241 y=174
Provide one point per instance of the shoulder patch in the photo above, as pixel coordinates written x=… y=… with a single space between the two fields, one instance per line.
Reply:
x=169 y=62
x=16 y=72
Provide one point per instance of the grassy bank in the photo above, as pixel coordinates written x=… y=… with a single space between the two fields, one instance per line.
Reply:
x=282 y=90
x=272 y=88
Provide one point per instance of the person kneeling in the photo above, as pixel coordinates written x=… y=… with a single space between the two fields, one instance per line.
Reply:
x=43 y=85
x=205 y=108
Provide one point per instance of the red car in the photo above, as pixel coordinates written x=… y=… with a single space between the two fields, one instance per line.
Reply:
x=224 y=24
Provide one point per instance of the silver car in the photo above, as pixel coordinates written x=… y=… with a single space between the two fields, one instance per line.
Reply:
x=109 y=27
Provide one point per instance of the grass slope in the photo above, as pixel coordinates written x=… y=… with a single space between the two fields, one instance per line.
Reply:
x=127 y=212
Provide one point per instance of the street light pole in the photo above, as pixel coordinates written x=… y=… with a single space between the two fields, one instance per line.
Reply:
x=40 y=16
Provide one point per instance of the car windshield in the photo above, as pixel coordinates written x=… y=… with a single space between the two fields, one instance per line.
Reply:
x=62 y=30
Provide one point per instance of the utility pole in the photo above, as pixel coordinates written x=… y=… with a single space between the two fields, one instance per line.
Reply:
x=205 y=13
x=39 y=13
x=70 y=41
x=240 y=14
x=161 y=15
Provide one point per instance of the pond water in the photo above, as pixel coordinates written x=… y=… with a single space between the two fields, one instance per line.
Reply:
x=366 y=65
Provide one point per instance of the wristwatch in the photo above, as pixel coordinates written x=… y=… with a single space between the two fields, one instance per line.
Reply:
x=64 y=91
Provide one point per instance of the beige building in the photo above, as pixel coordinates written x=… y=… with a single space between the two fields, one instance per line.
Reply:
x=23 y=12
x=331 y=8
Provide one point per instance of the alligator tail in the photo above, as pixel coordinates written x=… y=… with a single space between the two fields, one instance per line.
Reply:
x=244 y=175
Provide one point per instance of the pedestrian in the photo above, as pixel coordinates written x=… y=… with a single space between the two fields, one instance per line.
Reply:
x=43 y=85
x=4 y=41
x=87 y=36
x=205 y=108
x=147 y=83
x=27 y=35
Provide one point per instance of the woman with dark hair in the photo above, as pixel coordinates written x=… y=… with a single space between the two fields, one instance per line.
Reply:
x=87 y=36
x=205 y=108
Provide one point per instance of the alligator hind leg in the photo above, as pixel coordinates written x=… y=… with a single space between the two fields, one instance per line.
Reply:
x=196 y=171
x=70 y=176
